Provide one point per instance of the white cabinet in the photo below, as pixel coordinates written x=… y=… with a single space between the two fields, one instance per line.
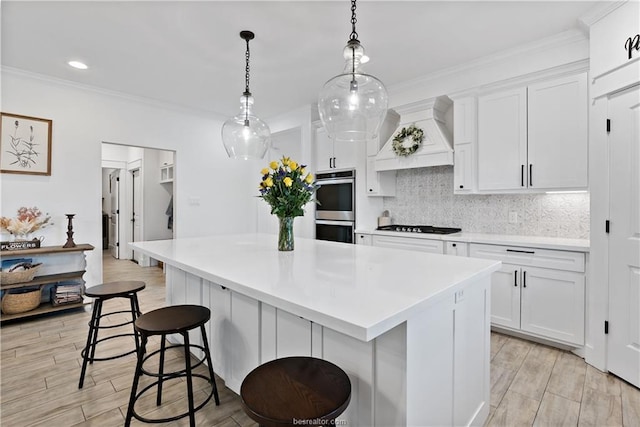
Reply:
x=166 y=173
x=379 y=183
x=502 y=140
x=464 y=142
x=537 y=291
x=364 y=239
x=534 y=137
x=557 y=133
x=456 y=248
x=333 y=155
x=409 y=243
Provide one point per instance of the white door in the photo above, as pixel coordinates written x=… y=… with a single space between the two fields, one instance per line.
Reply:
x=114 y=215
x=136 y=211
x=557 y=133
x=624 y=238
x=505 y=296
x=502 y=140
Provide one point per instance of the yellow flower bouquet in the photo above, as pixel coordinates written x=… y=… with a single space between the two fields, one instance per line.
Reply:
x=286 y=187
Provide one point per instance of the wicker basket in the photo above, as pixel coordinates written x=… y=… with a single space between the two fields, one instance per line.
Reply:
x=12 y=277
x=14 y=303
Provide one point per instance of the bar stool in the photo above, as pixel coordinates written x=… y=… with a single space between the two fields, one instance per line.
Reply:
x=295 y=391
x=176 y=319
x=102 y=293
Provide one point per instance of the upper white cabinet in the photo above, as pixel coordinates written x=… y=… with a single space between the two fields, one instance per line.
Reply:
x=333 y=155
x=464 y=143
x=534 y=137
x=502 y=140
x=166 y=173
x=557 y=133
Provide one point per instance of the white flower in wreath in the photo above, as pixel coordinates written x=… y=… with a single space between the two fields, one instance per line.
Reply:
x=413 y=135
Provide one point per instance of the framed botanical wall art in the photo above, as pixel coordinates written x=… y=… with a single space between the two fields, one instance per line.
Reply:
x=25 y=145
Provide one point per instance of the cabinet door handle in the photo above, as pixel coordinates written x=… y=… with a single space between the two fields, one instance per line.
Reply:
x=530 y=175
x=521 y=175
x=334 y=162
x=521 y=252
x=330 y=163
x=515 y=278
x=453 y=244
x=462 y=186
x=524 y=279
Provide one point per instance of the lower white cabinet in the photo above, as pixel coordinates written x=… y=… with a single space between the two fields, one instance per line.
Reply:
x=364 y=239
x=544 y=302
x=456 y=248
x=409 y=243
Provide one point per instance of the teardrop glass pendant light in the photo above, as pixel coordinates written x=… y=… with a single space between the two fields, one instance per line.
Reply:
x=353 y=105
x=245 y=136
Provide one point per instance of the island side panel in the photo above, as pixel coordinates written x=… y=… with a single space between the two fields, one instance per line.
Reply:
x=472 y=337
x=430 y=365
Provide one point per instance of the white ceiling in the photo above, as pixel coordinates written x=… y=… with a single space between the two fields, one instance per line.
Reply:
x=190 y=53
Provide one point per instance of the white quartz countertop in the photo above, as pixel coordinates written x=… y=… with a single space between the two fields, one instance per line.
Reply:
x=558 y=243
x=361 y=291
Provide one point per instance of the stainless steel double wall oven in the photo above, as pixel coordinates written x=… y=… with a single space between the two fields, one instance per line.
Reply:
x=336 y=210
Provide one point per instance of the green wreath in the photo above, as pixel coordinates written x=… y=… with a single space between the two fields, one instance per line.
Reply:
x=412 y=132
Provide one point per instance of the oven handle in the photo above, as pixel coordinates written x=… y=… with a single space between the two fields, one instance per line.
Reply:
x=335 y=181
x=327 y=222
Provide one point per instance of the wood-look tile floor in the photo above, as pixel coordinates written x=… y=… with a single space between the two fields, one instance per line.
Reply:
x=531 y=384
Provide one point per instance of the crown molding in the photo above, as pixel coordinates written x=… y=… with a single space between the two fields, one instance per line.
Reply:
x=113 y=93
x=564 y=38
x=600 y=11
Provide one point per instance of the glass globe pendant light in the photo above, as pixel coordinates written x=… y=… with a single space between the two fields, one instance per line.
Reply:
x=245 y=136
x=353 y=105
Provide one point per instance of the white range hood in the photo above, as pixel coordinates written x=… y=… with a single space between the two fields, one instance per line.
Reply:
x=436 y=148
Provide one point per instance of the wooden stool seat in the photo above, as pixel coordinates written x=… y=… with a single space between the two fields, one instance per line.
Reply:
x=115 y=289
x=175 y=319
x=100 y=294
x=295 y=391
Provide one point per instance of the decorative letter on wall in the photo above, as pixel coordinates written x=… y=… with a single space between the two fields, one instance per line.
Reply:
x=631 y=44
x=25 y=145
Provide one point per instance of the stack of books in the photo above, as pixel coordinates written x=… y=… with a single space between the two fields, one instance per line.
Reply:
x=67 y=294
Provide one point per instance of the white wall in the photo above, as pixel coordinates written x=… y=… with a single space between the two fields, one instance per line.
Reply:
x=213 y=192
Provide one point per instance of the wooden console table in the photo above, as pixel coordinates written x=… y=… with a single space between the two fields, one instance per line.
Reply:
x=59 y=265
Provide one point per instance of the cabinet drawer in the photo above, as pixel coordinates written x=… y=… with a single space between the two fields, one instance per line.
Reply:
x=546 y=258
x=423 y=245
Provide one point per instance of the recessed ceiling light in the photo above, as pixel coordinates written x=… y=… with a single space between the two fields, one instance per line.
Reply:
x=77 y=64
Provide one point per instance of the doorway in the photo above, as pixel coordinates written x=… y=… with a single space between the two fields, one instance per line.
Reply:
x=137 y=198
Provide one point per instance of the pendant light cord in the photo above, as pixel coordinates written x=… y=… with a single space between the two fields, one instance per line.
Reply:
x=354 y=35
x=246 y=71
x=246 y=93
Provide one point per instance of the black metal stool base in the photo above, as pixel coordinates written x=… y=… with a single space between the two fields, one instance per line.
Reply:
x=103 y=293
x=167 y=376
x=164 y=321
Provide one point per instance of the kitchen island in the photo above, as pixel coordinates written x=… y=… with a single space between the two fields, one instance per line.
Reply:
x=411 y=329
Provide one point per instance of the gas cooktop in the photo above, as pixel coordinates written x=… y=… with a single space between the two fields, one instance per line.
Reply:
x=419 y=229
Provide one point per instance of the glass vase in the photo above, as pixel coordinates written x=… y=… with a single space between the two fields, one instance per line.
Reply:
x=285 y=234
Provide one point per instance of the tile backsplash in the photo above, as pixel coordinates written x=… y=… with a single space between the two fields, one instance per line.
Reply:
x=425 y=196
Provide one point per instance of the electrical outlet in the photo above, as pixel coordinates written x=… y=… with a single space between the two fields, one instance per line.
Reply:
x=513 y=217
